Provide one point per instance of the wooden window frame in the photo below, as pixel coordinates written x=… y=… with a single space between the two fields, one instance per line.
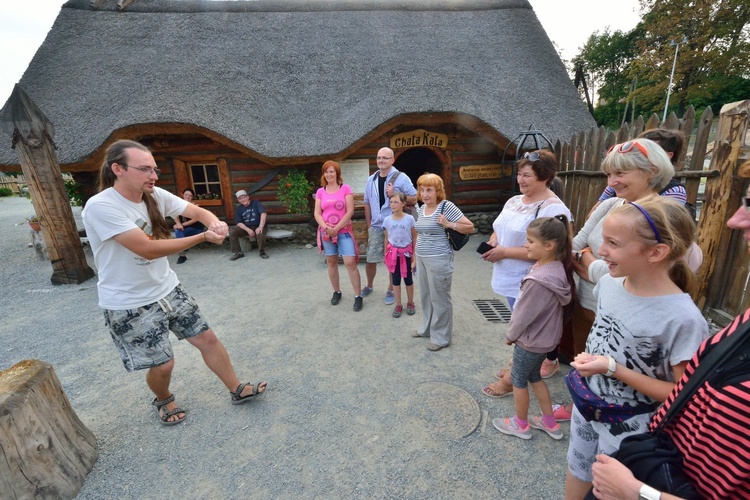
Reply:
x=184 y=179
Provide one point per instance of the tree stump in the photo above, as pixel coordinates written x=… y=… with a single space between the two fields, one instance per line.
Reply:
x=45 y=450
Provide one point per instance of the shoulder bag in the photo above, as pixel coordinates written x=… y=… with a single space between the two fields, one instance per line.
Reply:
x=457 y=240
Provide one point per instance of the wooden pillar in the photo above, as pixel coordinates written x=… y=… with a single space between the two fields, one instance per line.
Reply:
x=722 y=197
x=45 y=450
x=33 y=136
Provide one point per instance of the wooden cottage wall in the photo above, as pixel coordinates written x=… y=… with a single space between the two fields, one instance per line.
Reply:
x=479 y=195
x=464 y=148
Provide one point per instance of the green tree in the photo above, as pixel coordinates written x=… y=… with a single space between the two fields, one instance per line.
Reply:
x=633 y=68
x=713 y=53
x=604 y=61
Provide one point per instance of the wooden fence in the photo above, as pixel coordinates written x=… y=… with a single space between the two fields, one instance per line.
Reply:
x=724 y=274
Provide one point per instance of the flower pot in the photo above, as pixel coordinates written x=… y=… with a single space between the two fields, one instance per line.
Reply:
x=35 y=225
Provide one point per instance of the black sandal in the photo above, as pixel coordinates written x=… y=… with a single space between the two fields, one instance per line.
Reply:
x=237 y=399
x=164 y=417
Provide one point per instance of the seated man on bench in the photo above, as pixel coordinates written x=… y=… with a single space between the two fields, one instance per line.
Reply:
x=250 y=220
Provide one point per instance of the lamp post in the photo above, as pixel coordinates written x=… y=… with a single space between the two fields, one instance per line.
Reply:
x=671 y=76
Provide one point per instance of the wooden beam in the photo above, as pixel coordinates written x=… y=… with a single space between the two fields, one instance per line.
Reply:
x=722 y=197
x=33 y=136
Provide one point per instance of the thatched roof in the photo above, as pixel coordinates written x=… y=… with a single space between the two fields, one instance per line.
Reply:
x=299 y=78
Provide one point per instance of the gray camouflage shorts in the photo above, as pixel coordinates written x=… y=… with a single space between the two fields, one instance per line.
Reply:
x=375 y=244
x=142 y=334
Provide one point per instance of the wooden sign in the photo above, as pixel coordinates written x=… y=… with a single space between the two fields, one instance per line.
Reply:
x=482 y=172
x=419 y=137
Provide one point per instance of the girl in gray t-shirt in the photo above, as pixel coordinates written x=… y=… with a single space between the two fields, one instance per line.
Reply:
x=646 y=330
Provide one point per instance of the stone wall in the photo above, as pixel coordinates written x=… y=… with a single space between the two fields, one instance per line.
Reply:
x=305 y=233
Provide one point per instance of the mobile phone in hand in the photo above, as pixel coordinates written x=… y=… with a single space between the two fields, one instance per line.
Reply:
x=484 y=247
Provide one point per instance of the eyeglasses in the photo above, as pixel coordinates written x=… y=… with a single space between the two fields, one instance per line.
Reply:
x=532 y=157
x=383 y=157
x=651 y=221
x=628 y=146
x=145 y=170
x=746 y=203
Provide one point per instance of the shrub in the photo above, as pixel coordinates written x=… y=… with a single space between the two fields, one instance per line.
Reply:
x=294 y=191
x=6 y=191
x=74 y=193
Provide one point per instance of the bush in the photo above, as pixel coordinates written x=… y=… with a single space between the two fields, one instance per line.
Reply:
x=294 y=192
x=74 y=193
x=6 y=191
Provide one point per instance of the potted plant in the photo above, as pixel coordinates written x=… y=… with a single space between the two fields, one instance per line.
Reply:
x=34 y=223
x=294 y=192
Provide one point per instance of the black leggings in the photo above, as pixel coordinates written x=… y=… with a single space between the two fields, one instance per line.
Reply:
x=396 y=275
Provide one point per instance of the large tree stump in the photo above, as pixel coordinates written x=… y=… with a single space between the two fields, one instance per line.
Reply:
x=45 y=450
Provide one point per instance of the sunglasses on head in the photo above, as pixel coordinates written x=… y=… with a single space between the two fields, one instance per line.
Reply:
x=532 y=157
x=628 y=146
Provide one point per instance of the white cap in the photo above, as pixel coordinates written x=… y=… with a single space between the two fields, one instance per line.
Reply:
x=241 y=192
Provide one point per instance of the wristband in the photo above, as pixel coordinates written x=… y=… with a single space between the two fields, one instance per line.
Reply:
x=204 y=236
x=648 y=493
x=612 y=367
x=454 y=226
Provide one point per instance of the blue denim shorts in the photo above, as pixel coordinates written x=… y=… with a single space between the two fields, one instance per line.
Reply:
x=142 y=334
x=344 y=247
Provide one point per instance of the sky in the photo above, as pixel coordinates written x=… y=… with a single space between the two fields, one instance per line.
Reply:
x=24 y=25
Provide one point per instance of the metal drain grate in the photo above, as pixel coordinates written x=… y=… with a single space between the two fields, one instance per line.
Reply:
x=493 y=310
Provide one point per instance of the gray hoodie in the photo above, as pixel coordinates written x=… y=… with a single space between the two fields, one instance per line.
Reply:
x=537 y=319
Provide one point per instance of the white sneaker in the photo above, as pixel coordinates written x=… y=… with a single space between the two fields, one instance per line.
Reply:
x=510 y=427
x=538 y=423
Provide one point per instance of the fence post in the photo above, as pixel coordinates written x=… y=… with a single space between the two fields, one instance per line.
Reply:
x=721 y=200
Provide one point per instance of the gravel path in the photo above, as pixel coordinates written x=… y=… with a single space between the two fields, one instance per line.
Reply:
x=356 y=408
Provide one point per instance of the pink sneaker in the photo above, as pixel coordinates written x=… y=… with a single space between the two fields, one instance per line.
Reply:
x=549 y=368
x=561 y=413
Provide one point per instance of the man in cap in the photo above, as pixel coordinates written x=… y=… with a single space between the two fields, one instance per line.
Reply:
x=250 y=220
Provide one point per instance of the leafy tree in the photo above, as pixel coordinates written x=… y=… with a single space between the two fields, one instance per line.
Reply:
x=712 y=68
x=605 y=58
x=711 y=63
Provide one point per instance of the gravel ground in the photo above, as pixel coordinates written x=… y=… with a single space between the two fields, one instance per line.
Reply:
x=356 y=407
